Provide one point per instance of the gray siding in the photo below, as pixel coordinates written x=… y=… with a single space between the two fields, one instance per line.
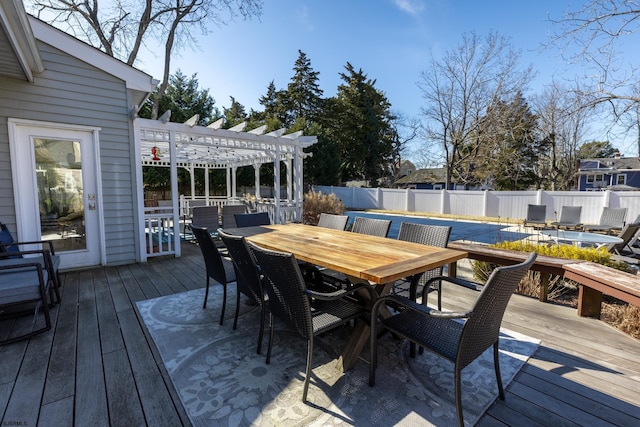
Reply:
x=71 y=91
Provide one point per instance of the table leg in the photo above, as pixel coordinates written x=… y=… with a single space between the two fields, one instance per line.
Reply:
x=360 y=335
x=544 y=286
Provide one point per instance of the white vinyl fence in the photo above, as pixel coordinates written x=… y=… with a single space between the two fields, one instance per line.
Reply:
x=497 y=204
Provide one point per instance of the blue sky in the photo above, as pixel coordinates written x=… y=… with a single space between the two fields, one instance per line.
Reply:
x=390 y=40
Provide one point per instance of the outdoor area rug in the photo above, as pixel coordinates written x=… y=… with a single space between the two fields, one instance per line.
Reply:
x=223 y=382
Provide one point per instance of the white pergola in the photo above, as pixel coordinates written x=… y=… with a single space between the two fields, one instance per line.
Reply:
x=166 y=144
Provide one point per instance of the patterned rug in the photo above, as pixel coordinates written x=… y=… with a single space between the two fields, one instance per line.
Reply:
x=223 y=382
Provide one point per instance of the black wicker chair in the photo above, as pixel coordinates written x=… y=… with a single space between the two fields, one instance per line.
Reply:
x=371 y=226
x=332 y=221
x=443 y=333
x=431 y=235
x=229 y=214
x=309 y=313
x=205 y=217
x=252 y=219
x=249 y=281
x=218 y=268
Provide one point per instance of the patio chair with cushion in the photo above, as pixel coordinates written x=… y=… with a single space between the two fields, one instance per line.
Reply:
x=252 y=219
x=249 y=281
x=460 y=337
x=611 y=219
x=217 y=268
x=371 y=226
x=23 y=283
x=335 y=222
x=46 y=256
x=228 y=214
x=309 y=313
x=536 y=216
x=569 y=217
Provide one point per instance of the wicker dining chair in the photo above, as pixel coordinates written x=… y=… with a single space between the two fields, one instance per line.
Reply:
x=460 y=337
x=332 y=221
x=205 y=217
x=229 y=214
x=431 y=235
x=218 y=268
x=252 y=219
x=309 y=313
x=248 y=277
x=371 y=226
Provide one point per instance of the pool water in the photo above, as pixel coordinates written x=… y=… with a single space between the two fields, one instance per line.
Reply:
x=480 y=232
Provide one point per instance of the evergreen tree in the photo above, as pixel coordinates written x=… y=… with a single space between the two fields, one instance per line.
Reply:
x=597 y=150
x=234 y=115
x=508 y=149
x=362 y=126
x=185 y=99
x=303 y=96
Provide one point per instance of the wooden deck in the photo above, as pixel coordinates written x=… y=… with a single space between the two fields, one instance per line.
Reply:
x=99 y=367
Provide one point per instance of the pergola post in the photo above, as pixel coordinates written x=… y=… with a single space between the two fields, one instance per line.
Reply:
x=256 y=171
x=234 y=185
x=289 y=183
x=193 y=182
x=298 y=191
x=228 y=182
x=276 y=184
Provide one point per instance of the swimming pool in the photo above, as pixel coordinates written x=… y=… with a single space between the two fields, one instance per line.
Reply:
x=480 y=232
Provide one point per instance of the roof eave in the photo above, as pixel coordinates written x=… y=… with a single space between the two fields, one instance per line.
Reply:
x=15 y=21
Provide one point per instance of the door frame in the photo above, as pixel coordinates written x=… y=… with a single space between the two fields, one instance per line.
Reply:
x=27 y=210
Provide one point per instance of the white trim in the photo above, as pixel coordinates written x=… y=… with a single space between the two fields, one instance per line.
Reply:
x=14 y=20
x=133 y=78
x=17 y=159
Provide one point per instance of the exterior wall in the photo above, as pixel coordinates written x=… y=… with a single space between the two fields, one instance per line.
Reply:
x=73 y=92
x=496 y=204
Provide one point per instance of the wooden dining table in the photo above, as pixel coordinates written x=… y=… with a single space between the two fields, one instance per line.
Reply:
x=379 y=260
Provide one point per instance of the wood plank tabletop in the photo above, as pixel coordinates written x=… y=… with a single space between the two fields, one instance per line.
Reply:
x=378 y=259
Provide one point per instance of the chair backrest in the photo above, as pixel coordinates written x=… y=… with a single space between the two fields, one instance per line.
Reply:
x=244 y=263
x=228 y=214
x=613 y=217
x=212 y=258
x=371 y=226
x=482 y=329
x=431 y=235
x=536 y=213
x=286 y=288
x=570 y=214
x=205 y=217
x=335 y=222
x=252 y=219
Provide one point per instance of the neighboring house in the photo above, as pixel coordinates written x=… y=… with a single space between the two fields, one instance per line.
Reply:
x=66 y=112
x=617 y=173
x=406 y=168
x=426 y=179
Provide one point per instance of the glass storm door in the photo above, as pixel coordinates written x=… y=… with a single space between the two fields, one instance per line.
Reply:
x=56 y=190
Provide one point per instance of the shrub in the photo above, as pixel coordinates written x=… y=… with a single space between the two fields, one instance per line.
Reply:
x=316 y=203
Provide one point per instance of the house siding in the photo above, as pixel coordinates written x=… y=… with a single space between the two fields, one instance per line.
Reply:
x=70 y=91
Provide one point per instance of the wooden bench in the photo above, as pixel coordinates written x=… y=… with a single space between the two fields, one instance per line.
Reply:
x=546 y=265
x=596 y=280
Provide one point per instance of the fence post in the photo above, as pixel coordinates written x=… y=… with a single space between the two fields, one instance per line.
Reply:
x=485 y=202
x=378 y=196
x=406 y=201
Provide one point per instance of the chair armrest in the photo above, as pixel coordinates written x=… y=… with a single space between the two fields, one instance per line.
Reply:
x=456 y=281
x=34 y=242
x=412 y=305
